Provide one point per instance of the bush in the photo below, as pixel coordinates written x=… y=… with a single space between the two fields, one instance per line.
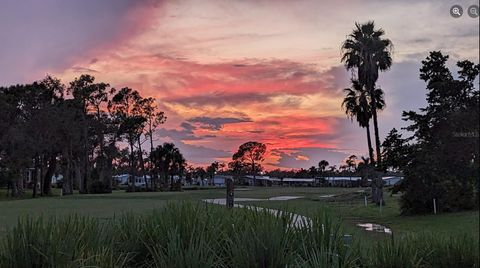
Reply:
x=425 y=250
x=99 y=187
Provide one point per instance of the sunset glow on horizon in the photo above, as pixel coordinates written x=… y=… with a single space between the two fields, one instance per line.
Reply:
x=228 y=72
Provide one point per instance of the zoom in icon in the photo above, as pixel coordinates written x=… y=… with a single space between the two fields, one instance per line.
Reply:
x=456 y=11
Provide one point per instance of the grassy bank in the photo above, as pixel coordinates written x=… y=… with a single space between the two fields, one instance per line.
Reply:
x=190 y=234
x=349 y=206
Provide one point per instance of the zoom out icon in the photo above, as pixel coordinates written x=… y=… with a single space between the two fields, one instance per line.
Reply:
x=473 y=11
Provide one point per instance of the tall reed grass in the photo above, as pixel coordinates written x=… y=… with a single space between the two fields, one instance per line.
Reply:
x=199 y=235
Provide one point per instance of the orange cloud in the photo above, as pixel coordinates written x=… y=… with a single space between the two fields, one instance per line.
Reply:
x=302 y=158
x=213 y=107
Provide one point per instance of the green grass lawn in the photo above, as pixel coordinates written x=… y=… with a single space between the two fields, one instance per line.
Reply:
x=347 y=204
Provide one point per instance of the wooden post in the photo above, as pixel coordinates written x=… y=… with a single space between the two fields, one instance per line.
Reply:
x=230 y=193
x=366 y=204
x=434 y=207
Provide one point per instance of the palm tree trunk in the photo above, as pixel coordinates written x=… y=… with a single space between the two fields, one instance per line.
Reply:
x=369 y=141
x=377 y=136
x=373 y=105
x=370 y=83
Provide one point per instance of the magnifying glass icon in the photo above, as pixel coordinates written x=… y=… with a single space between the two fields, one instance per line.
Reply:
x=473 y=11
x=456 y=11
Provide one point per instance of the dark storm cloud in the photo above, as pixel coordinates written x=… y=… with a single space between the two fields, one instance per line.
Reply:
x=216 y=123
x=186 y=133
x=194 y=153
x=200 y=154
x=220 y=99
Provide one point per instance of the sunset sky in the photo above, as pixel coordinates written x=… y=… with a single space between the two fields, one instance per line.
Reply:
x=227 y=72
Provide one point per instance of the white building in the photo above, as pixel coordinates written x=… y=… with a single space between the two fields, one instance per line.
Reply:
x=221 y=180
x=56 y=178
x=124 y=179
x=343 y=181
x=262 y=180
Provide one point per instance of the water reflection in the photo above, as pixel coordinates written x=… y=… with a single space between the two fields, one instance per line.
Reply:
x=373 y=227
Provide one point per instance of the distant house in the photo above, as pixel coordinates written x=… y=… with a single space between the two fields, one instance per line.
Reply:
x=121 y=179
x=392 y=180
x=199 y=181
x=142 y=181
x=221 y=180
x=261 y=180
x=57 y=178
x=124 y=179
x=299 y=181
x=343 y=181
x=28 y=175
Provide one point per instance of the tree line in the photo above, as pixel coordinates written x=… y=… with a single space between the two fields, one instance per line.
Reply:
x=88 y=130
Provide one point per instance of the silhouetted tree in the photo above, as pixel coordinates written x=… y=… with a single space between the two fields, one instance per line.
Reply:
x=357 y=105
x=322 y=166
x=251 y=153
x=168 y=160
x=154 y=118
x=395 y=151
x=238 y=169
x=212 y=170
x=368 y=52
x=444 y=160
x=351 y=162
x=91 y=97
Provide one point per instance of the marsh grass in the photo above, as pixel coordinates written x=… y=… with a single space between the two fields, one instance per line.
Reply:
x=198 y=235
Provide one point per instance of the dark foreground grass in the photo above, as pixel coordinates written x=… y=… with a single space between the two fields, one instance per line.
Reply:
x=189 y=234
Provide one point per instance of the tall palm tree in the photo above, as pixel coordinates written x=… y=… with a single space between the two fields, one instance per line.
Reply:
x=168 y=160
x=356 y=104
x=322 y=165
x=177 y=165
x=368 y=52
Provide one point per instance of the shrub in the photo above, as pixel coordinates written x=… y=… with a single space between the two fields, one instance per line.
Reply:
x=99 y=187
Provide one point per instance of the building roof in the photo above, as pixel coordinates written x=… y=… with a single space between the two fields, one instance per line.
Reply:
x=343 y=178
x=298 y=180
x=263 y=178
